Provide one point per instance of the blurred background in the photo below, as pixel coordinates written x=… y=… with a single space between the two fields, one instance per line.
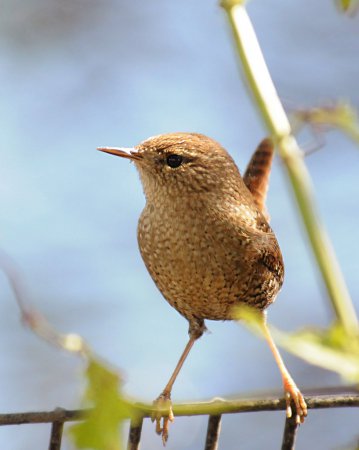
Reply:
x=77 y=74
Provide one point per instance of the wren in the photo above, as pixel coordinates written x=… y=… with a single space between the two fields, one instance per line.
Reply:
x=205 y=239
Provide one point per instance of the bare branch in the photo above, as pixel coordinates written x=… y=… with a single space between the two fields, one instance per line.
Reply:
x=214 y=407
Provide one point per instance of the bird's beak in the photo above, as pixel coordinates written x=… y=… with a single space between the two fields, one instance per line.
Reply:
x=129 y=153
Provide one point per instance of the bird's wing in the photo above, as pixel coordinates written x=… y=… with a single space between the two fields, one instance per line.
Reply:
x=256 y=176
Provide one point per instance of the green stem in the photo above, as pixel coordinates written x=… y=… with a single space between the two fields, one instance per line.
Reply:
x=276 y=120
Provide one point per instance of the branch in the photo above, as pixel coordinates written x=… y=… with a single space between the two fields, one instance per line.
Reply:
x=275 y=118
x=213 y=407
x=70 y=342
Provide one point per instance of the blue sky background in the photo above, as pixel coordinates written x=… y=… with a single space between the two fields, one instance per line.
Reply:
x=79 y=74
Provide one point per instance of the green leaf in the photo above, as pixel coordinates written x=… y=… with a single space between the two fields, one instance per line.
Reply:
x=340 y=115
x=331 y=348
x=344 y=4
x=101 y=429
x=251 y=317
x=227 y=4
x=347 y=6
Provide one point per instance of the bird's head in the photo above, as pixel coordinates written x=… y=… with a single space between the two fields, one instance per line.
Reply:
x=179 y=164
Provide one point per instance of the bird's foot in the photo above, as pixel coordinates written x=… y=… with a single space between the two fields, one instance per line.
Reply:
x=293 y=395
x=163 y=412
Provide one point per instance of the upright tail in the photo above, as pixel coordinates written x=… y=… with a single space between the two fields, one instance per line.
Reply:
x=256 y=176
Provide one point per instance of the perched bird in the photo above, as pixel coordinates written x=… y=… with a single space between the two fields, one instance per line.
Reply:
x=206 y=241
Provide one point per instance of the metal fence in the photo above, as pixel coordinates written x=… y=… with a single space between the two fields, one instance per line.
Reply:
x=59 y=416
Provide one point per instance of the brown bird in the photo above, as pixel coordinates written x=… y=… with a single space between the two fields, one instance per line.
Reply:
x=205 y=239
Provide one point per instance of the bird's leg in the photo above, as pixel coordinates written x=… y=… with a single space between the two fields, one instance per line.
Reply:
x=292 y=393
x=163 y=402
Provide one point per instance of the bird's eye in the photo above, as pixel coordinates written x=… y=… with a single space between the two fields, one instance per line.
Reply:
x=174 y=160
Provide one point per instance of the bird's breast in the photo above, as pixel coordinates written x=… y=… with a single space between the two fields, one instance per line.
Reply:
x=202 y=266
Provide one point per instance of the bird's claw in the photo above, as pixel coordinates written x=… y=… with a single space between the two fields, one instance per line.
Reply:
x=293 y=395
x=163 y=411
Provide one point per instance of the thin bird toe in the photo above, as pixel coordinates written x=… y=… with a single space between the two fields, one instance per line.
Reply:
x=162 y=413
x=294 y=396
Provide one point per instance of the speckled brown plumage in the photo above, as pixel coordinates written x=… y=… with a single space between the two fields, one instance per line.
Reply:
x=205 y=243
x=204 y=237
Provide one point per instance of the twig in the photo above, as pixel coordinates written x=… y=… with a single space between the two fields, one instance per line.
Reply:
x=58 y=415
x=214 y=407
x=70 y=342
